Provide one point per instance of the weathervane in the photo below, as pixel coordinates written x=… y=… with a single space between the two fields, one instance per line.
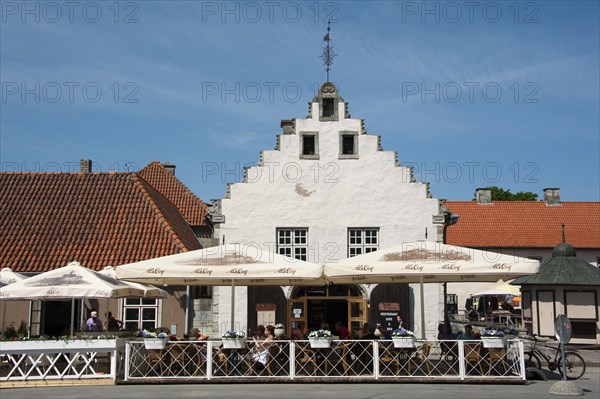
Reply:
x=328 y=53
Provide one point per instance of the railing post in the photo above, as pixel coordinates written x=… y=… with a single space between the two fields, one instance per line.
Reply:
x=209 y=359
x=292 y=359
x=113 y=363
x=375 y=359
x=127 y=355
x=522 y=359
x=461 y=359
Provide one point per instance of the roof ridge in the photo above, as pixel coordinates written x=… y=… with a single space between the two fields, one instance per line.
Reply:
x=164 y=220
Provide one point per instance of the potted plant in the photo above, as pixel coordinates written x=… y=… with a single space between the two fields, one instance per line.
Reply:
x=493 y=338
x=279 y=329
x=403 y=338
x=156 y=340
x=320 y=338
x=233 y=339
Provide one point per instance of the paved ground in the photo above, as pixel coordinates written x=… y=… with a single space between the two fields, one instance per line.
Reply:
x=590 y=383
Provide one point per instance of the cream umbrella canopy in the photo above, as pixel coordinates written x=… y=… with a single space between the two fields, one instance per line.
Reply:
x=149 y=291
x=225 y=265
x=428 y=262
x=69 y=282
x=7 y=276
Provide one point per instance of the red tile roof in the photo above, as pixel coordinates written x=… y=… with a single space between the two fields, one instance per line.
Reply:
x=524 y=224
x=50 y=219
x=193 y=209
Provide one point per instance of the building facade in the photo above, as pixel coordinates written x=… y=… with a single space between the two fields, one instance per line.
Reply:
x=326 y=192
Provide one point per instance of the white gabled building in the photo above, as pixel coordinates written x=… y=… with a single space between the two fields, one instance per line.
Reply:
x=327 y=191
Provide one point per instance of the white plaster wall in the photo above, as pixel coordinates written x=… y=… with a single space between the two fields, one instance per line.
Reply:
x=328 y=195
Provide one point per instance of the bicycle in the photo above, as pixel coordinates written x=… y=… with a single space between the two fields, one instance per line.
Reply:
x=575 y=364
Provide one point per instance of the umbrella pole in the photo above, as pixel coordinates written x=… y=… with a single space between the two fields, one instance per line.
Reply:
x=72 y=316
x=422 y=307
x=232 y=301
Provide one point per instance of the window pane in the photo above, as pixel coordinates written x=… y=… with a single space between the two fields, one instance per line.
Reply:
x=347 y=144
x=147 y=301
x=308 y=145
x=148 y=314
x=132 y=301
x=132 y=314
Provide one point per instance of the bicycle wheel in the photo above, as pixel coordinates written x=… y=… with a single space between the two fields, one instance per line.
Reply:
x=575 y=365
x=533 y=361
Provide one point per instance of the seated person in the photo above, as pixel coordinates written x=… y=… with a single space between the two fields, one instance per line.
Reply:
x=467 y=334
x=507 y=306
x=443 y=334
x=197 y=335
x=298 y=331
x=365 y=329
x=382 y=332
x=260 y=352
x=342 y=331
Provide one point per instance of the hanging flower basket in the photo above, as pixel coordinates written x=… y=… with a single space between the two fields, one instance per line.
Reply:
x=320 y=342
x=407 y=341
x=155 y=343
x=493 y=341
x=233 y=343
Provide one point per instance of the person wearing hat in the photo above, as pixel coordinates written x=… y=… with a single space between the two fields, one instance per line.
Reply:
x=94 y=323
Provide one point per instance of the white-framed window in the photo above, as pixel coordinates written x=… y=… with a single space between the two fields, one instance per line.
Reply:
x=139 y=313
x=362 y=240
x=293 y=242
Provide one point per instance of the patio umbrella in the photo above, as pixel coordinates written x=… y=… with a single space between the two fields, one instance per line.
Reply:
x=149 y=291
x=225 y=265
x=7 y=276
x=428 y=262
x=499 y=290
x=70 y=282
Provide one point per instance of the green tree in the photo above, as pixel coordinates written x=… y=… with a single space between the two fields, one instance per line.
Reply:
x=500 y=194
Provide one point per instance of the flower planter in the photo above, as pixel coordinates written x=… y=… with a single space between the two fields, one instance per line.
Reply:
x=155 y=343
x=404 y=342
x=493 y=342
x=279 y=332
x=233 y=343
x=321 y=342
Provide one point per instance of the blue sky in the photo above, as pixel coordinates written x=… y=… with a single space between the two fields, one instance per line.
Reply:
x=492 y=93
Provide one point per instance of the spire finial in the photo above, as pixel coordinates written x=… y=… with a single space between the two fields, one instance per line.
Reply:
x=563 y=233
x=328 y=53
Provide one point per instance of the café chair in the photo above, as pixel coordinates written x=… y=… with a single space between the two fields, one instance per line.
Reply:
x=473 y=355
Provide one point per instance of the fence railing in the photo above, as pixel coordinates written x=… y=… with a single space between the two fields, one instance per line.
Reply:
x=59 y=360
x=343 y=360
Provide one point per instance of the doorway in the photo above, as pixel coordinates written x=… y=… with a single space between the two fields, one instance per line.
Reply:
x=313 y=306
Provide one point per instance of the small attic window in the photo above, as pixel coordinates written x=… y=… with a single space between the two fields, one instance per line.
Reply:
x=347 y=144
x=328 y=107
x=308 y=145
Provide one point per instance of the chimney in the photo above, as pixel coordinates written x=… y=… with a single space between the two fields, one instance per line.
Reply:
x=169 y=167
x=552 y=196
x=288 y=126
x=85 y=166
x=483 y=195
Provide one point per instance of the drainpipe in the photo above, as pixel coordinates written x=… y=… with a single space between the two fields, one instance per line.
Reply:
x=449 y=220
